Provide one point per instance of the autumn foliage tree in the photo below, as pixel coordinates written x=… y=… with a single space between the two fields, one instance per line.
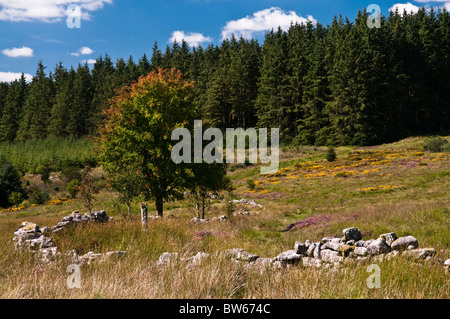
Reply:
x=137 y=132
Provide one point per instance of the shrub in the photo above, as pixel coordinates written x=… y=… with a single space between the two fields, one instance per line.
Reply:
x=73 y=188
x=436 y=145
x=15 y=198
x=331 y=155
x=71 y=172
x=44 y=171
x=251 y=183
x=36 y=196
x=9 y=183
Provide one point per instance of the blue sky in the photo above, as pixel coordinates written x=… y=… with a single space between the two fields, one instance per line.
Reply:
x=34 y=30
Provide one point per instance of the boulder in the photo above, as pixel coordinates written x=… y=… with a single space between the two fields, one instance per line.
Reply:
x=300 y=248
x=404 y=243
x=311 y=262
x=330 y=256
x=240 y=255
x=332 y=243
x=166 y=259
x=360 y=251
x=389 y=238
x=418 y=254
x=447 y=264
x=368 y=242
x=197 y=259
x=316 y=253
x=352 y=234
x=311 y=249
x=288 y=257
x=378 y=247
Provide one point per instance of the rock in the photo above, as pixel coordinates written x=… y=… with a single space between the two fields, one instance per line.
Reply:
x=392 y=254
x=222 y=218
x=368 y=242
x=311 y=262
x=389 y=238
x=48 y=255
x=404 y=243
x=311 y=248
x=447 y=264
x=262 y=263
x=352 y=233
x=241 y=255
x=360 y=251
x=300 y=248
x=41 y=242
x=115 y=254
x=332 y=243
x=288 y=257
x=29 y=227
x=330 y=256
x=197 y=259
x=360 y=243
x=46 y=230
x=422 y=253
x=197 y=220
x=350 y=242
x=378 y=247
x=316 y=253
x=167 y=259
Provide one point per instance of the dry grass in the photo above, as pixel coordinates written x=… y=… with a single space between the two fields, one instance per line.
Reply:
x=418 y=206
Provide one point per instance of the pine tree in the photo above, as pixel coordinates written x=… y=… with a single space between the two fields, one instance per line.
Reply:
x=144 y=66
x=12 y=112
x=37 y=108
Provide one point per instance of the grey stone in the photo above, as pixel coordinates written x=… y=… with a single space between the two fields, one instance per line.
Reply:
x=311 y=262
x=316 y=253
x=300 y=248
x=422 y=253
x=360 y=243
x=378 y=247
x=311 y=248
x=167 y=259
x=352 y=233
x=403 y=243
x=241 y=255
x=288 y=257
x=330 y=256
x=332 y=244
x=389 y=238
x=368 y=242
x=447 y=264
x=360 y=251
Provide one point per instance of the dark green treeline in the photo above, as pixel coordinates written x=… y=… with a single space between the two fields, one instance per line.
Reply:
x=326 y=85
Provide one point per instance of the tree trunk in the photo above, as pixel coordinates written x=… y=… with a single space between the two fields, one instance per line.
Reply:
x=129 y=211
x=159 y=206
x=203 y=208
x=144 y=215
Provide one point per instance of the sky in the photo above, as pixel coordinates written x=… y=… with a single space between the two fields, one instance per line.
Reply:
x=79 y=31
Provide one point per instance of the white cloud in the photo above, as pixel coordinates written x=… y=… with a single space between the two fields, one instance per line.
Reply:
x=261 y=21
x=89 y=61
x=83 y=51
x=192 y=38
x=11 y=76
x=45 y=10
x=18 y=52
x=409 y=7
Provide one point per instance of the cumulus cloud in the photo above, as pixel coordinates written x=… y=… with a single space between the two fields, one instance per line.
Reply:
x=45 y=10
x=83 y=51
x=12 y=76
x=18 y=52
x=89 y=61
x=192 y=38
x=261 y=21
x=402 y=7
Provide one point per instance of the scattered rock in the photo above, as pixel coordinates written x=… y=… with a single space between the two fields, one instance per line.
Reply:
x=378 y=247
x=352 y=234
x=404 y=243
x=288 y=257
x=197 y=220
x=360 y=251
x=166 y=259
x=300 y=248
x=240 y=255
x=330 y=256
x=389 y=238
x=422 y=253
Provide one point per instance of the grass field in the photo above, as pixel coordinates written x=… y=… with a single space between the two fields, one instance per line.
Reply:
x=389 y=188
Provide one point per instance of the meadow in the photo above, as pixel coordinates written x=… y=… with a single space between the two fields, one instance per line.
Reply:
x=395 y=187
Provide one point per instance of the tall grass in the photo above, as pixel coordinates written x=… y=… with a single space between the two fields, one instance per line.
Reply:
x=53 y=152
